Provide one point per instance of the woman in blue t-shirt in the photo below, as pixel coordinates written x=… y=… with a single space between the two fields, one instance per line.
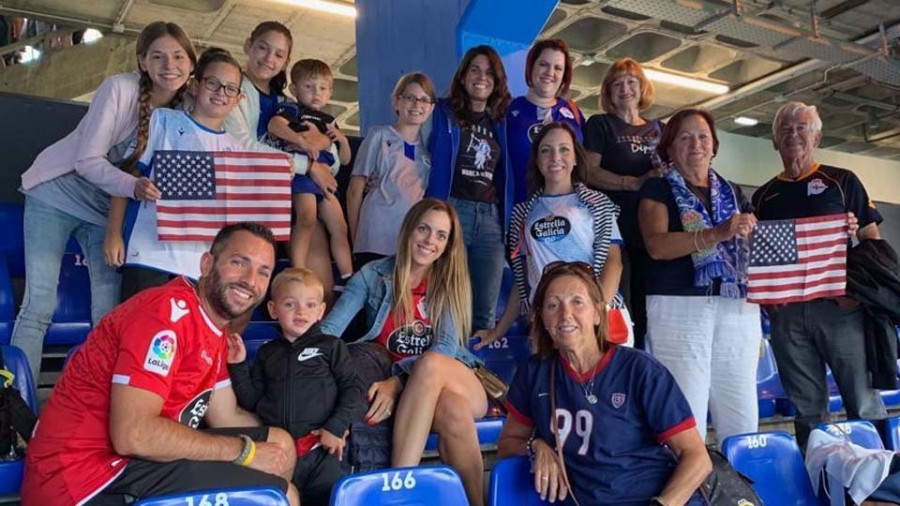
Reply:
x=470 y=168
x=548 y=73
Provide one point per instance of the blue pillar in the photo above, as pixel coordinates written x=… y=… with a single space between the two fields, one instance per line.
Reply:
x=394 y=37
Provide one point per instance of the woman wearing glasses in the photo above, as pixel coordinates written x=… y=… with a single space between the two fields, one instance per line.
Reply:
x=394 y=159
x=471 y=169
x=562 y=220
x=699 y=324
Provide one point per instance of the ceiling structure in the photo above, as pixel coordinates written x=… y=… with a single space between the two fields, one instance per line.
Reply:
x=841 y=55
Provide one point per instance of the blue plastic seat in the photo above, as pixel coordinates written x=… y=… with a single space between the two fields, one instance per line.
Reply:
x=891 y=398
x=773 y=461
x=860 y=432
x=488 y=430
x=512 y=484
x=507 y=285
x=434 y=486
x=7 y=304
x=262 y=496
x=15 y=361
x=768 y=385
x=12 y=238
x=892 y=433
x=72 y=318
x=503 y=356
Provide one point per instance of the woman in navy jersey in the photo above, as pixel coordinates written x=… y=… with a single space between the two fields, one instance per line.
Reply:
x=548 y=73
x=470 y=168
x=626 y=431
x=621 y=147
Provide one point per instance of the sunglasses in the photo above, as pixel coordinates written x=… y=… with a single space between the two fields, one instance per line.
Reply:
x=581 y=266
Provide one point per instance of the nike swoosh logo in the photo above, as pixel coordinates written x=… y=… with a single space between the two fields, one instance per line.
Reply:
x=304 y=358
x=543 y=394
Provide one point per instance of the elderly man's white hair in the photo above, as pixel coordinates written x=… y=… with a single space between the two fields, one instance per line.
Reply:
x=790 y=110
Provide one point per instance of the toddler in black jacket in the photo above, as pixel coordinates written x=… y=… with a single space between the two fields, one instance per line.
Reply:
x=303 y=381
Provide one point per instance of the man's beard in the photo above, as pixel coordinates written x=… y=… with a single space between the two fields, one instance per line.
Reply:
x=217 y=299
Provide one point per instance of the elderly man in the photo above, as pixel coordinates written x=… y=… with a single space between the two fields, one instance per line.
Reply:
x=805 y=333
x=122 y=422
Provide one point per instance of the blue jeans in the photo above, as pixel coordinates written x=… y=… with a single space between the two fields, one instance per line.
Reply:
x=485 y=248
x=47 y=231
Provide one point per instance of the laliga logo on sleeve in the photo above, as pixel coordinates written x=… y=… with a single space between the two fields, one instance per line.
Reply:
x=161 y=352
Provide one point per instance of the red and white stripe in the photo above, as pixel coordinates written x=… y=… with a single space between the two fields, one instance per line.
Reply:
x=820 y=270
x=249 y=187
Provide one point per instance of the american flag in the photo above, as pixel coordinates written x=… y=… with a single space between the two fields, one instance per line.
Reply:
x=203 y=191
x=798 y=260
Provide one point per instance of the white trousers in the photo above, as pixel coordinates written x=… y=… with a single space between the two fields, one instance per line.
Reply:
x=711 y=347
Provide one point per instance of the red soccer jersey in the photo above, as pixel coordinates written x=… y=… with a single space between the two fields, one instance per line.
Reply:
x=160 y=341
x=413 y=339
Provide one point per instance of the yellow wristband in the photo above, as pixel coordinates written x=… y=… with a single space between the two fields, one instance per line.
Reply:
x=250 y=454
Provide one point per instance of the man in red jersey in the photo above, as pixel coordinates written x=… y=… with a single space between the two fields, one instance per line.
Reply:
x=122 y=421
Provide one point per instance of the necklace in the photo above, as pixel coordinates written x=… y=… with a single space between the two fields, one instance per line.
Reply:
x=589 y=389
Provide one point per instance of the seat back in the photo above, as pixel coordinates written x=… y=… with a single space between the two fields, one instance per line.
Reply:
x=773 y=461
x=860 y=432
x=73 y=299
x=892 y=433
x=262 y=496
x=504 y=355
x=15 y=361
x=512 y=484
x=12 y=240
x=432 y=486
x=7 y=303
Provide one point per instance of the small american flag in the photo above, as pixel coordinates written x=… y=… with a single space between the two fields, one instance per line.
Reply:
x=203 y=191
x=798 y=260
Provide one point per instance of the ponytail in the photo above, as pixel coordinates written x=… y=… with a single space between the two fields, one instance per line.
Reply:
x=129 y=165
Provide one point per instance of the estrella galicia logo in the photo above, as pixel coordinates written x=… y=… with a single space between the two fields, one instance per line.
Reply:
x=161 y=352
x=410 y=340
x=194 y=411
x=551 y=229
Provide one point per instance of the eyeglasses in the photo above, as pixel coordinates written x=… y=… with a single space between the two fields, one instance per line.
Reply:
x=581 y=266
x=412 y=99
x=214 y=85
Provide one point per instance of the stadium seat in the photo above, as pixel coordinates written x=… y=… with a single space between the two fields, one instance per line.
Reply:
x=11 y=470
x=488 y=432
x=7 y=303
x=12 y=243
x=260 y=331
x=70 y=354
x=891 y=398
x=435 y=486
x=768 y=384
x=263 y=496
x=503 y=356
x=252 y=347
x=72 y=319
x=892 y=433
x=860 y=432
x=507 y=285
x=512 y=484
x=773 y=461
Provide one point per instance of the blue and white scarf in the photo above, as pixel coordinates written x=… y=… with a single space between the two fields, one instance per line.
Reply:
x=726 y=260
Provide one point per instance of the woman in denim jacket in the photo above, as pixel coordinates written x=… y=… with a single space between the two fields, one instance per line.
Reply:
x=418 y=306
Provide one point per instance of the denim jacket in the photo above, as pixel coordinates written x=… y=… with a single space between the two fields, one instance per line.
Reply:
x=371 y=289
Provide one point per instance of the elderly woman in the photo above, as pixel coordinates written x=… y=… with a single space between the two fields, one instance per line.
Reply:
x=418 y=307
x=470 y=168
x=621 y=153
x=699 y=324
x=548 y=74
x=562 y=221
x=614 y=408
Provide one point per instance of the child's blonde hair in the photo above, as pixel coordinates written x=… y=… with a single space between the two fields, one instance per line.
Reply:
x=301 y=275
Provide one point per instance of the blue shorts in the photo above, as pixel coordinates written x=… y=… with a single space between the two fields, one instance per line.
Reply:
x=304 y=184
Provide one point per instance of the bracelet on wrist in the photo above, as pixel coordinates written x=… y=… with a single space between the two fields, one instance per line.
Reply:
x=529 y=449
x=247 y=453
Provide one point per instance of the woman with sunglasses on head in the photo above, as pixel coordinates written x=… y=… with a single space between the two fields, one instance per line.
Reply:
x=418 y=308
x=562 y=221
x=699 y=323
x=471 y=170
x=624 y=431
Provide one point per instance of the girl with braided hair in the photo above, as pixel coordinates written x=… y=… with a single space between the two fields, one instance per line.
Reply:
x=68 y=187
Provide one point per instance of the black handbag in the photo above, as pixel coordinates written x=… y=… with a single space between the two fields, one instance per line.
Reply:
x=725 y=486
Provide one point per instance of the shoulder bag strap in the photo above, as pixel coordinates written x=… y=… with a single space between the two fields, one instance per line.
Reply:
x=555 y=429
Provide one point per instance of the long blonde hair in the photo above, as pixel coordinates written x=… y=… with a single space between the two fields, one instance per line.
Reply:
x=147 y=37
x=449 y=292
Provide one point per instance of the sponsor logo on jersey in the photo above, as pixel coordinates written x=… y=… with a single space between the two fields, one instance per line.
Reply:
x=161 y=352
x=551 y=229
x=618 y=399
x=815 y=187
x=411 y=339
x=308 y=353
x=533 y=131
x=194 y=411
x=179 y=309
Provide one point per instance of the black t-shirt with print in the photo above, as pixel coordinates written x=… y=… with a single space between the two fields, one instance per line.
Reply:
x=476 y=161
